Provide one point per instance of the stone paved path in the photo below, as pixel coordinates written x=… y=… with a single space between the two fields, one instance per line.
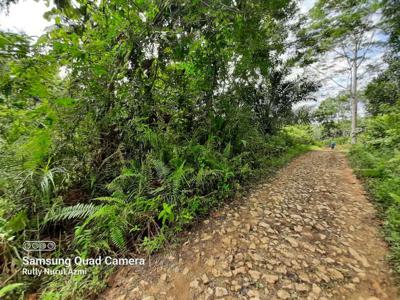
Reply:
x=310 y=233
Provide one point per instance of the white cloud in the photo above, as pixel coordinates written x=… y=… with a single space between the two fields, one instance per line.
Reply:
x=26 y=17
x=306 y=5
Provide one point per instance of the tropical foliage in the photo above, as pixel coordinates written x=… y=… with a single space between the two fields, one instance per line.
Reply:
x=377 y=157
x=333 y=118
x=127 y=121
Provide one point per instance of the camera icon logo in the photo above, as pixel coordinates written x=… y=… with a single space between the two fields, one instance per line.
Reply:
x=38 y=246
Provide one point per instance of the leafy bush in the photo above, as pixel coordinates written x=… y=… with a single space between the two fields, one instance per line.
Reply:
x=377 y=159
x=300 y=134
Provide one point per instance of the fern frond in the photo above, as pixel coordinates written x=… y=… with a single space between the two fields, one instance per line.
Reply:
x=161 y=168
x=204 y=174
x=111 y=199
x=117 y=236
x=78 y=211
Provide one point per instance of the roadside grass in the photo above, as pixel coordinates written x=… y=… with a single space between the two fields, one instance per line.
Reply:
x=380 y=172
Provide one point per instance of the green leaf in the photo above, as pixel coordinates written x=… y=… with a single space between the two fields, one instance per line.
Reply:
x=395 y=197
x=66 y=101
x=17 y=223
x=9 y=288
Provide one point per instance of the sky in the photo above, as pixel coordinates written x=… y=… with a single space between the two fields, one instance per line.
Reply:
x=306 y=5
x=26 y=16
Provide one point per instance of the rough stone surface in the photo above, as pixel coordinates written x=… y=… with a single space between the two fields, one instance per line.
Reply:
x=308 y=233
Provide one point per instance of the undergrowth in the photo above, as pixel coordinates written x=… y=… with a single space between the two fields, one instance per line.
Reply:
x=376 y=159
x=124 y=124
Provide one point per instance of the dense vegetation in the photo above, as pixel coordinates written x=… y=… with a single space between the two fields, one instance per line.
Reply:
x=377 y=156
x=128 y=120
x=332 y=119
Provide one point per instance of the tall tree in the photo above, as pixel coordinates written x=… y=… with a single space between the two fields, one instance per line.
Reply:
x=333 y=115
x=345 y=30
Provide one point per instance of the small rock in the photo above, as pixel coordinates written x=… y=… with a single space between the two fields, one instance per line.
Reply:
x=255 y=274
x=356 y=280
x=205 y=279
x=271 y=278
x=361 y=274
x=292 y=242
x=256 y=257
x=226 y=241
x=206 y=238
x=265 y=225
x=298 y=228
x=241 y=270
x=287 y=284
x=281 y=269
x=194 y=284
x=316 y=289
x=220 y=292
x=329 y=260
x=228 y=274
x=163 y=277
x=282 y=294
x=236 y=287
x=309 y=247
x=210 y=291
x=143 y=283
x=216 y=272
x=136 y=290
x=304 y=277
x=301 y=287
x=210 y=262
x=335 y=274
x=359 y=257
x=253 y=294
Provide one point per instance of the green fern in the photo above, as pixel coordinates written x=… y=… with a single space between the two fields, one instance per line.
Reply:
x=117 y=236
x=78 y=211
x=125 y=178
x=106 y=222
x=160 y=167
x=204 y=175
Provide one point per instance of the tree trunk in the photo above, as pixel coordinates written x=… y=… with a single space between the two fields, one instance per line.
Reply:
x=354 y=98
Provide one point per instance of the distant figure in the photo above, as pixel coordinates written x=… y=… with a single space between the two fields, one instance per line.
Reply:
x=333 y=145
